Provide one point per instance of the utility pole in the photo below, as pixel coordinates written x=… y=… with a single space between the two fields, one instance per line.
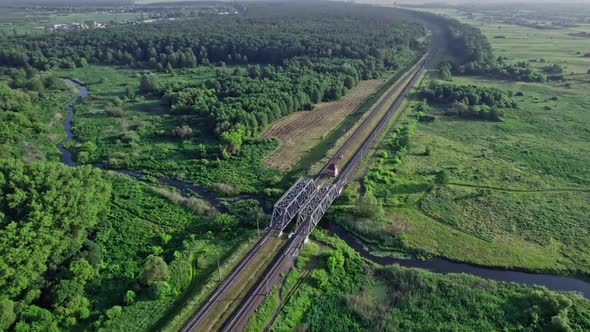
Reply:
x=257 y=226
x=218 y=270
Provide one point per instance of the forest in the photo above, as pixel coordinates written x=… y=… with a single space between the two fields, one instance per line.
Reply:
x=287 y=59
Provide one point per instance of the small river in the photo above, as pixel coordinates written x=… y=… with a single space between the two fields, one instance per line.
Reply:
x=441 y=265
x=66 y=155
x=437 y=265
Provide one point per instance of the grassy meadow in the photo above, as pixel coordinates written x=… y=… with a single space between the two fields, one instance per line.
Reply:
x=518 y=191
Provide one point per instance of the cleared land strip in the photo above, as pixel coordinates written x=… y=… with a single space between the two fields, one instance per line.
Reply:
x=300 y=131
x=232 y=296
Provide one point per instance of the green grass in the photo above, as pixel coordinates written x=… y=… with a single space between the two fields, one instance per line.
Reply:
x=129 y=232
x=153 y=149
x=519 y=189
x=525 y=184
x=264 y=312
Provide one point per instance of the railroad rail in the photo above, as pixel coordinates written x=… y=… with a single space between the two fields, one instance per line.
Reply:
x=340 y=152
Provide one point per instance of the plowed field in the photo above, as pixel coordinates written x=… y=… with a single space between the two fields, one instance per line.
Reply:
x=300 y=131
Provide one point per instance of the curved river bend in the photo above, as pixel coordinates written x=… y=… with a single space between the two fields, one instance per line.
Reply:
x=437 y=265
x=441 y=265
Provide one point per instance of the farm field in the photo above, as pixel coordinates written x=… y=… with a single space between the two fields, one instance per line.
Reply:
x=366 y=131
x=518 y=191
x=301 y=131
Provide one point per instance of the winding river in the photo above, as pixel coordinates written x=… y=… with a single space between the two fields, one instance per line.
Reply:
x=438 y=265
x=441 y=265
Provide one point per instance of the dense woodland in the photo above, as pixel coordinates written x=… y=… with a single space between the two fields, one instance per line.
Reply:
x=472 y=54
x=467 y=101
x=47 y=212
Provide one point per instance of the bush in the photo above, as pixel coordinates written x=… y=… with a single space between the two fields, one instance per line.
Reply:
x=425 y=118
x=114 y=312
x=183 y=132
x=369 y=207
x=115 y=111
x=160 y=289
x=129 y=297
x=155 y=269
x=519 y=94
x=117 y=101
x=441 y=177
x=224 y=223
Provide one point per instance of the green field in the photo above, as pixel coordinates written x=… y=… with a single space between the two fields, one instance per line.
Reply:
x=14 y=20
x=139 y=134
x=518 y=191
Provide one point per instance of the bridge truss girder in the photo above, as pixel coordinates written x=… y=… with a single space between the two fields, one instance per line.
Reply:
x=287 y=207
x=311 y=214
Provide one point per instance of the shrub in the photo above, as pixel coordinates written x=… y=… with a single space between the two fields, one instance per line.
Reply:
x=224 y=223
x=129 y=297
x=154 y=269
x=183 y=132
x=160 y=289
x=441 y=177
x=227 y=189
x=369 y=207
x=114 y=312
x=117 y=101
x=427 y=118
x=116 y=111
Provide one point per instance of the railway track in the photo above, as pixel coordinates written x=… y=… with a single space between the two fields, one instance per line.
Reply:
x=238 y=319
x=225 y=284
x=377 y=109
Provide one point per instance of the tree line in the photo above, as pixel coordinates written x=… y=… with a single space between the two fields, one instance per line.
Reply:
x=242 y=103
x=264 y=34
x=468 y=101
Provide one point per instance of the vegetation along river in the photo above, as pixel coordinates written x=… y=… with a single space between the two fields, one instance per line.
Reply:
x=437 y=265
